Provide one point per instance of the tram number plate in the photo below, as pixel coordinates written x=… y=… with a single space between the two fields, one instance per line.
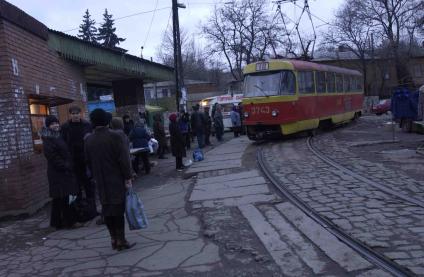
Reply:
x=261 y=110
x=262 y=66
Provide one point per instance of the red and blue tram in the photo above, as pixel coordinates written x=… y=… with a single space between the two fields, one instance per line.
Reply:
x=283 y=97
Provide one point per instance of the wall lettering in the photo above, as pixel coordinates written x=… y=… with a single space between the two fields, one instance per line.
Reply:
x=15 y=67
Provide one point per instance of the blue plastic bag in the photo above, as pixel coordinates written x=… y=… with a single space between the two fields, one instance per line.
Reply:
x=198 y=155
x=134 y=211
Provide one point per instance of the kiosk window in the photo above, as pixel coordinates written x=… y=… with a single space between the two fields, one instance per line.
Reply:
x=38 y=113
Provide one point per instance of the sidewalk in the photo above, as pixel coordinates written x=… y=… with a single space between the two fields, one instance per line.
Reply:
x=219 y=218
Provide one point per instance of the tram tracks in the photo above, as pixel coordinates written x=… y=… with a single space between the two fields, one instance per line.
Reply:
x=371 y=255
x=361 y=178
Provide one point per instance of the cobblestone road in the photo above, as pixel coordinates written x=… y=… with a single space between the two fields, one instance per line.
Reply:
x=384 y=222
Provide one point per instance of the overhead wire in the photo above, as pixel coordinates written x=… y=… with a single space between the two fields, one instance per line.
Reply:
x=126 y=16
x=317 y=17
x=151 y=22
x=167 y=25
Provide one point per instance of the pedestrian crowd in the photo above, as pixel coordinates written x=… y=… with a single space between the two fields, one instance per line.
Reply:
x=103 y=156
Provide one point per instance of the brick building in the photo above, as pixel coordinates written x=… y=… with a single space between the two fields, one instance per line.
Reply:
x=41 y=72
x=381 y=74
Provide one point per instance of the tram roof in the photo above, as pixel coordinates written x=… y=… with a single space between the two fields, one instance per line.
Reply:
x=280 y=64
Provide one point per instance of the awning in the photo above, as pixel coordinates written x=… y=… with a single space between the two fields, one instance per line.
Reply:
x=105 y=65
x=51 y=101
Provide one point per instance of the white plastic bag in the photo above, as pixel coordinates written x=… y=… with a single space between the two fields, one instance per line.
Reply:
x=188 y=163
x=72 y=198
x=153 y=145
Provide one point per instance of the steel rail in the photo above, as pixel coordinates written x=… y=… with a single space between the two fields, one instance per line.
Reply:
x=365 y=251
x=357 y=176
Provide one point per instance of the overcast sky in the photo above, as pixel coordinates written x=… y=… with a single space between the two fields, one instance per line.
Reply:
x=66 y=15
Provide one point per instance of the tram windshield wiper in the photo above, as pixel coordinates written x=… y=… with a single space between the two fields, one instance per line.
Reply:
x=261 y=90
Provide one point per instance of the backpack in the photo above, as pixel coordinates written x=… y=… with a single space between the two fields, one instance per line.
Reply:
x=198 y=155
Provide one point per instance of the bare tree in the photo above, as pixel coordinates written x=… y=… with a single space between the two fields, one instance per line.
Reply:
x=194 y=61
x=396 y=21
x=351 y=30
x=242 y=32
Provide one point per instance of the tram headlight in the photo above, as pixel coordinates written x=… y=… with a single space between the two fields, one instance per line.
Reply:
x=246 y=114
x=274 y=113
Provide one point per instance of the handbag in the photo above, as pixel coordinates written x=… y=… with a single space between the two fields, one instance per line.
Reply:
x=134 y=211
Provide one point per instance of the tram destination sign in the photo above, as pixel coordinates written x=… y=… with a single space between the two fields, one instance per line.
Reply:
x=262 y=66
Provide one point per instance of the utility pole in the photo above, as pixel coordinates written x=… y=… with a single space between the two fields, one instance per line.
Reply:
x=178 y=67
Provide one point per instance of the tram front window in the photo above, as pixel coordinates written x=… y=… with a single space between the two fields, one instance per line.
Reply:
x=269 y=84
x=262 y=84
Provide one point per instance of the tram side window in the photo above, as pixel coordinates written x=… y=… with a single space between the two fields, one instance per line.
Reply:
x=351 y=84
x=288 y=81
x=321 y=82
x=339 y=83
x=347 y=82
x=331 y=82
x=359 y=84
x=306 y=82
x=354 y=84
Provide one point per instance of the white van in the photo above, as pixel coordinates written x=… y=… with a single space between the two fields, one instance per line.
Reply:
x=226 y=101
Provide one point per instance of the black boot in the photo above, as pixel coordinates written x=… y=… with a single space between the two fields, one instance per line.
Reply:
x=121 y=242
x=112 y=231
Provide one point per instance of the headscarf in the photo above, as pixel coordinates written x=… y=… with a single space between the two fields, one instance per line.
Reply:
x=173 y=117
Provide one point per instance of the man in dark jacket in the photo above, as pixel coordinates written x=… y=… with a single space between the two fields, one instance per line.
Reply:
x=177 y=142
x=218 y=122
x=59 y=173
x=208 y=125
x=139 y=137
x=109 y=162
x=73 y=132
x=160 y=136
x=198 y=124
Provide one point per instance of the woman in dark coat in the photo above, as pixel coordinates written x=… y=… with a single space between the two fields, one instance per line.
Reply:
x=128 y=124
x=60 y=174
x=160 y=136
x=177 y=142
x=108 y=160
x=139 y=138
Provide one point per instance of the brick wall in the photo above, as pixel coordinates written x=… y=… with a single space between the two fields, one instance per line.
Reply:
x=27 y=67
x=201 y=88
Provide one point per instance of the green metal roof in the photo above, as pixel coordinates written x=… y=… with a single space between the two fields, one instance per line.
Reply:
x=90 y=54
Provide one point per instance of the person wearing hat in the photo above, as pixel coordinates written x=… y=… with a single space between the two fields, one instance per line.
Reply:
x=108 y=160
x=177 y=142
x=73 y=132
x=60 y=174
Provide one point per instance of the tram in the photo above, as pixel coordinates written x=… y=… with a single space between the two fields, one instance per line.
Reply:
x=283 y=97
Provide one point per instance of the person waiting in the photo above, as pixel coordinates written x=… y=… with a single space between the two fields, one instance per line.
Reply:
x=139 y=137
